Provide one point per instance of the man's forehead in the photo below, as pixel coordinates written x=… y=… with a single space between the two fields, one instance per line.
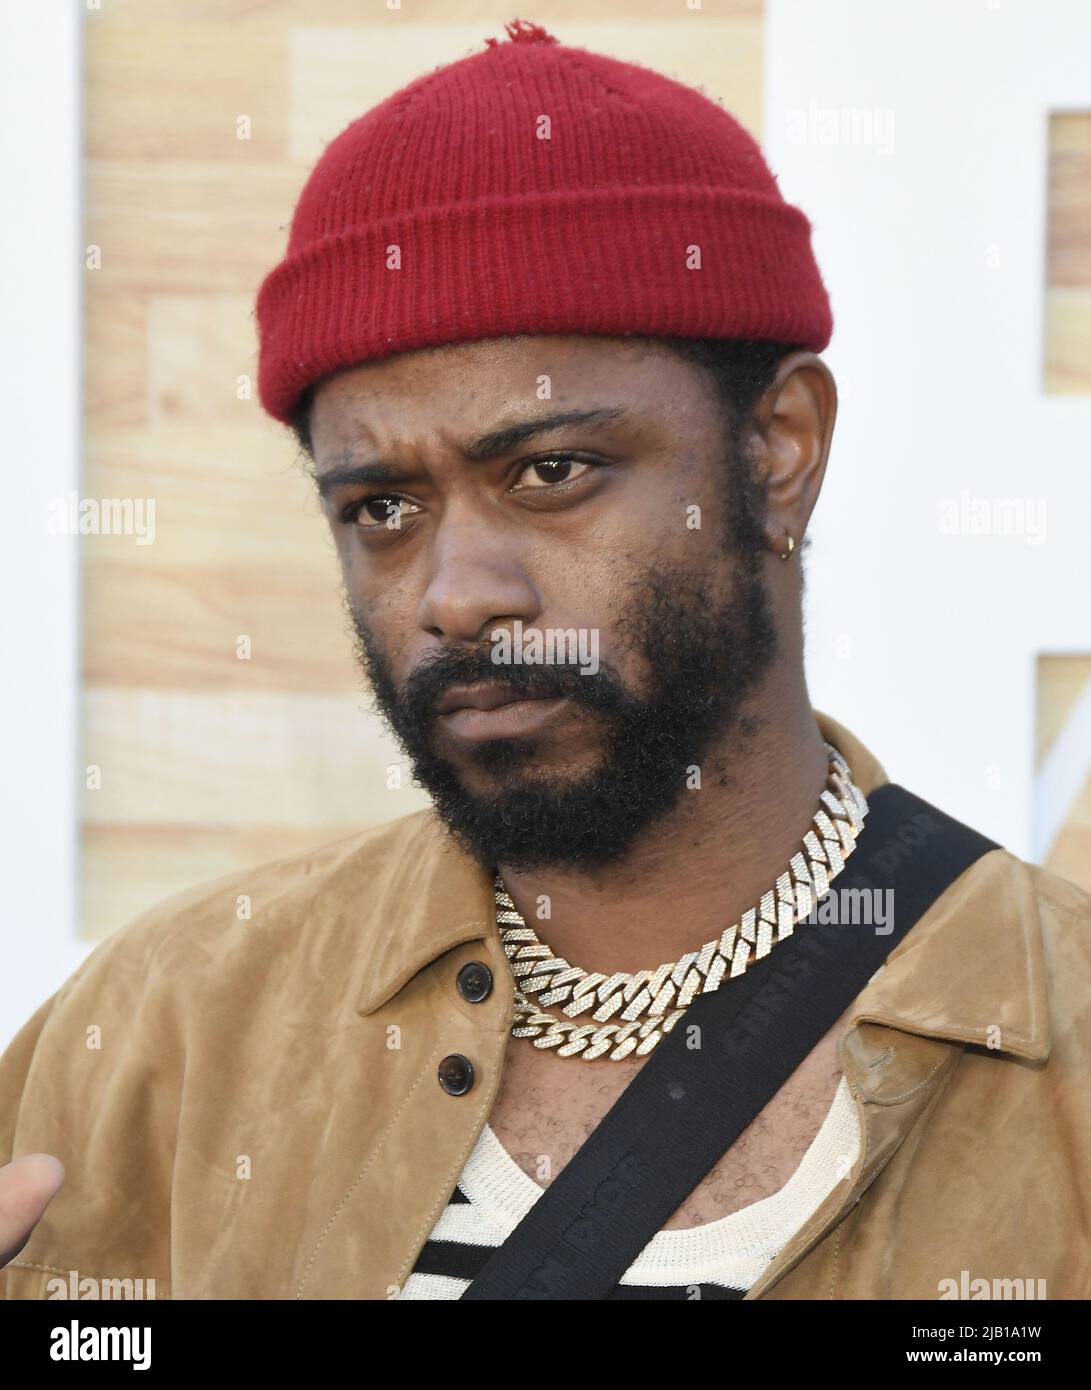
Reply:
x=470 y=388
x=496 y=359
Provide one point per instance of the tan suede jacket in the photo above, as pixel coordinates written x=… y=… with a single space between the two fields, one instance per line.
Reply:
x=249 y=1106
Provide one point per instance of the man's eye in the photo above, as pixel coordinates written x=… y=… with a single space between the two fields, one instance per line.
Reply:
x=375 y=512
x=548 y=472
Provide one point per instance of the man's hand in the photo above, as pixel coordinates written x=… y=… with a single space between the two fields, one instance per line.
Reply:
x=27 y=1186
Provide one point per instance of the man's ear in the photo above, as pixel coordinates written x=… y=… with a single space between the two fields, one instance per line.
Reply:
x=794 y=419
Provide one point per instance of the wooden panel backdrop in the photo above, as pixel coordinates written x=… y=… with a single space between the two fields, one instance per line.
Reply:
x=1062 y=680
x=209 y=762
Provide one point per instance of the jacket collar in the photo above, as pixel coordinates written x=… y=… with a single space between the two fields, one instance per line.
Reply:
x=972 y=970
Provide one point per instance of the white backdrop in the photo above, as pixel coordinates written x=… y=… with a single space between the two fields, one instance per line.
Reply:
x=40 y=273
x=930 y=227
x=915 y=139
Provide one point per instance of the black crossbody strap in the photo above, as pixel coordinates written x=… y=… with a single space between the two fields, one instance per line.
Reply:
x=725 y=1060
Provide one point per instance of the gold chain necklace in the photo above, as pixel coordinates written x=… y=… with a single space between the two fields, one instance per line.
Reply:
x=650 y=1002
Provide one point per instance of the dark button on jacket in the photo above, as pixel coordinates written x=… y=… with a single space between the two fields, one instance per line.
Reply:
x=456 y=1074
x=475 y=981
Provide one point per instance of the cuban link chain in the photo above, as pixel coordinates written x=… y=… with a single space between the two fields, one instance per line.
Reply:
x=633 y=1012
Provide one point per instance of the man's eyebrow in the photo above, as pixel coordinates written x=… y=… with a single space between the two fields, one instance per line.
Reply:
x=502 y=441
x=355 y=474
x=490 y=445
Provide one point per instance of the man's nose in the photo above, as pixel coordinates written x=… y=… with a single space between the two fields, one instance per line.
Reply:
x=474 y=584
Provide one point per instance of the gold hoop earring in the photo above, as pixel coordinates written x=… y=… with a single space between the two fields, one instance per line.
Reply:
x=786 y=554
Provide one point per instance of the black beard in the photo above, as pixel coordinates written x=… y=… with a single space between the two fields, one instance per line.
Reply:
x=705 y=657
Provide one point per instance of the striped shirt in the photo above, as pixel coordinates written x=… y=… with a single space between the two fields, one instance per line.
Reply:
x=721 y=1259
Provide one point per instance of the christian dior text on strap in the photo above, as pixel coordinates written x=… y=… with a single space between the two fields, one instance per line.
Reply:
x=689 y=1103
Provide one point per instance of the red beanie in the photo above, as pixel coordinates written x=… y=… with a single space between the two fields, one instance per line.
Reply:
x=534 y=188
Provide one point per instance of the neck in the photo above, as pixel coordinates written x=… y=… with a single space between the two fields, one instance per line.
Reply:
x=695 y=872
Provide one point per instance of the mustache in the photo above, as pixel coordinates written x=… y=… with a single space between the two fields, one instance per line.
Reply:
x=437 y=672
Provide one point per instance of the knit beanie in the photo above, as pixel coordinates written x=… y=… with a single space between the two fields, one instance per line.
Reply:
x=534 y=188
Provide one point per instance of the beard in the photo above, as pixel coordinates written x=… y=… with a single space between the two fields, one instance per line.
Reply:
x=704 y=654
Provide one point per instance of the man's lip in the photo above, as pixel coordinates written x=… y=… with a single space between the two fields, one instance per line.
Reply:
x=484 y=696
x=521 y=718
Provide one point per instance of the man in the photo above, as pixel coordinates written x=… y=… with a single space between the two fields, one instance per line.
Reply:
x=550 y=335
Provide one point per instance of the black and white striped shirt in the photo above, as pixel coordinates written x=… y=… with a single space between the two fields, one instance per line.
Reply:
x=721 y=1259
